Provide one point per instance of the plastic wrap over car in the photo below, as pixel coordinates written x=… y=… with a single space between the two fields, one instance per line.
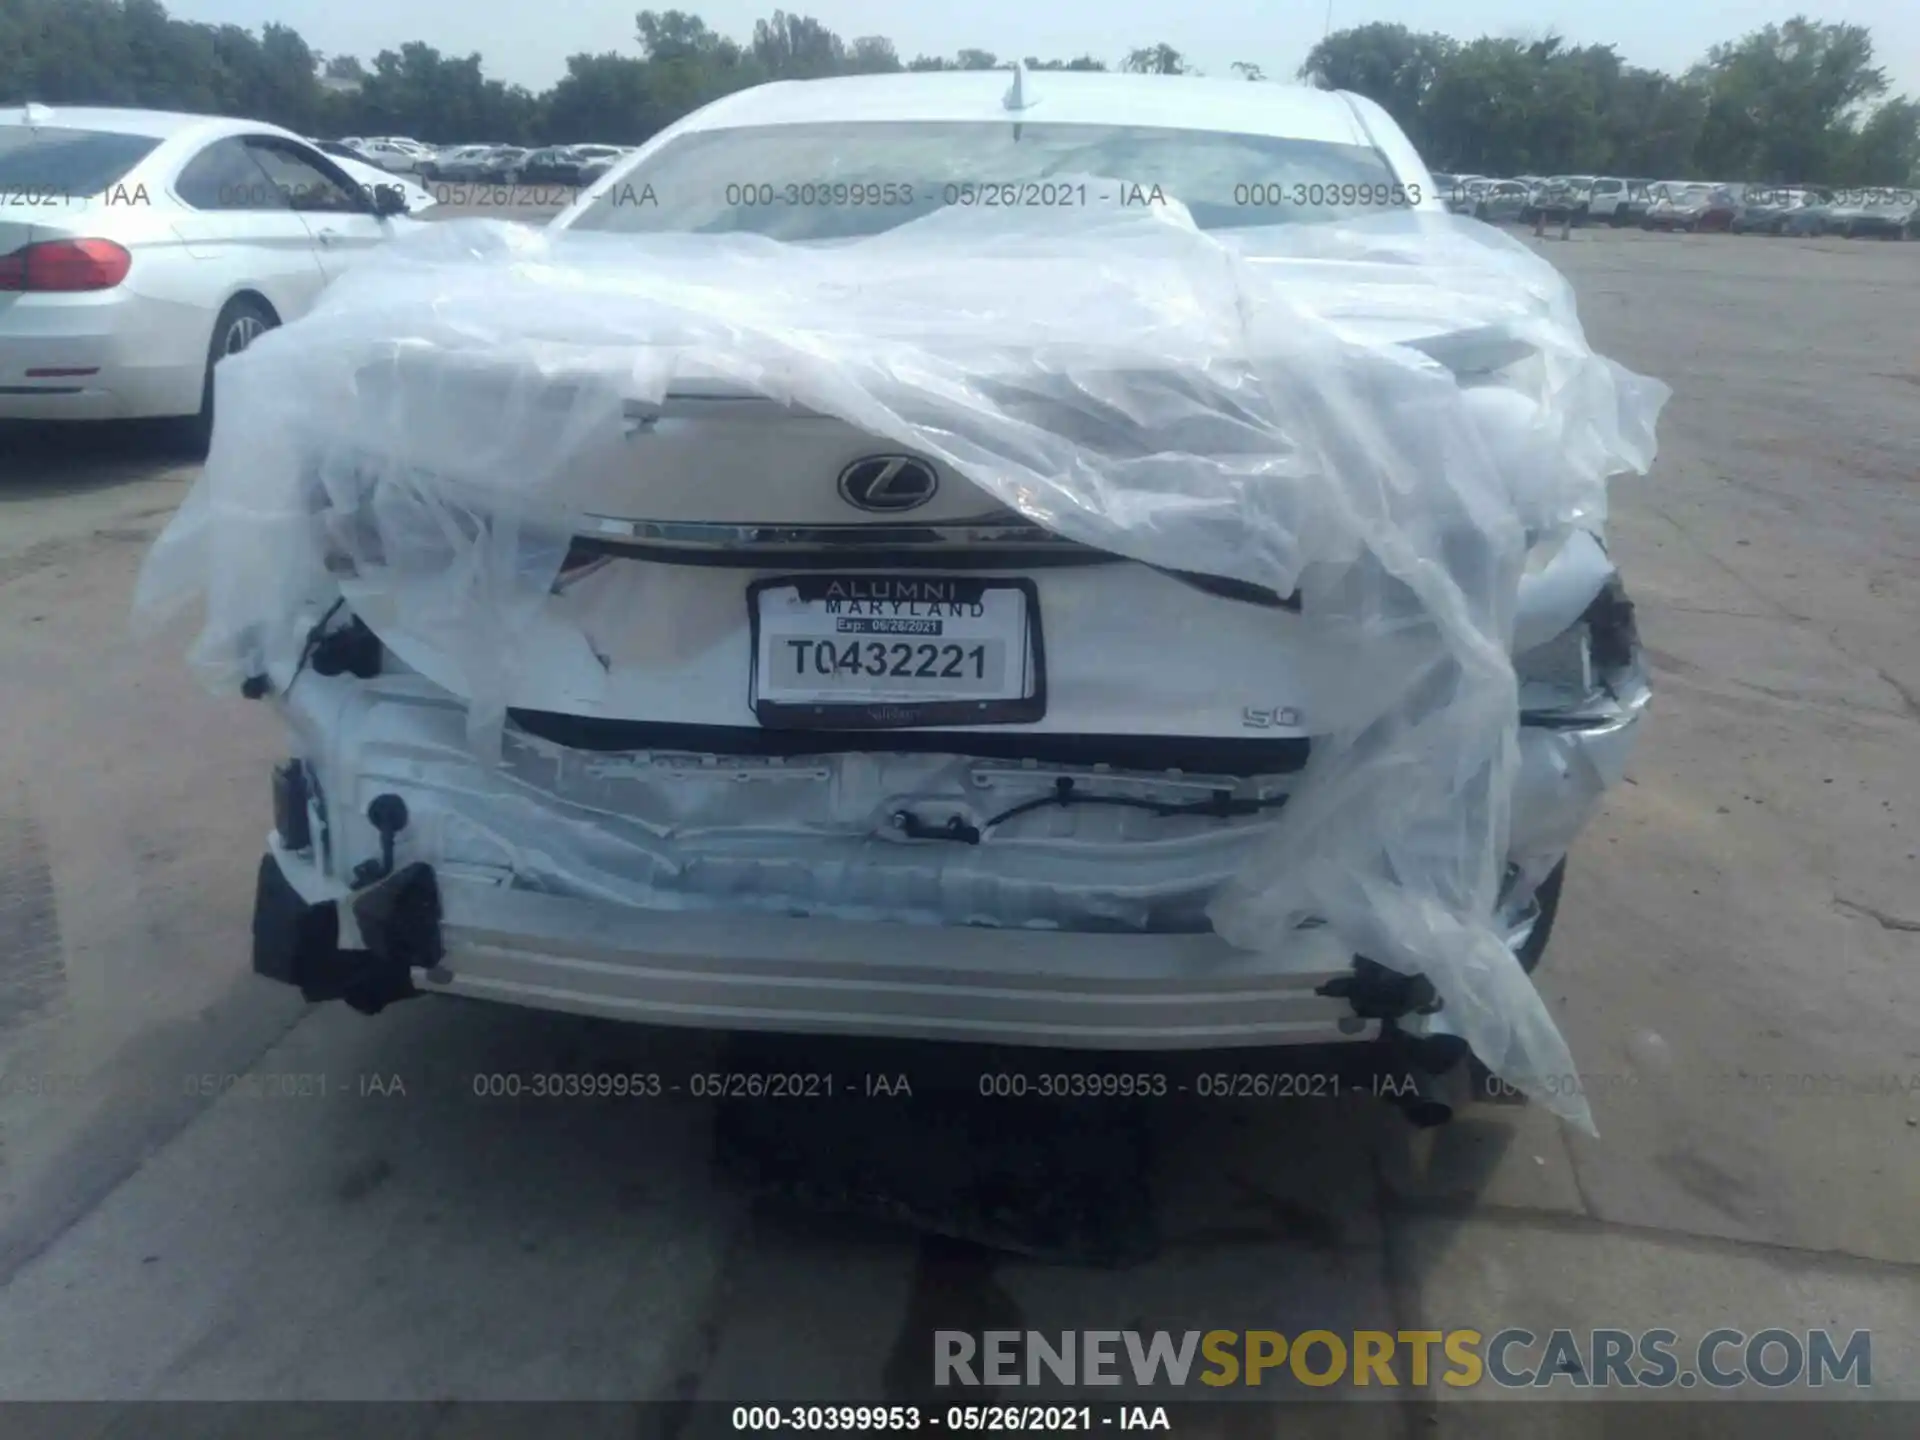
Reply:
x=1382 y=417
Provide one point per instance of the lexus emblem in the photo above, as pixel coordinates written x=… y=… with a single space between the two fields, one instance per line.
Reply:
x=888 y=482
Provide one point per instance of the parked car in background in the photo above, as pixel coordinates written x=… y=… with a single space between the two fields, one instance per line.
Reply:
x=1852 y=213
x=179 y=240
x=1614 y=200
x=588 y=154
x=1680 y=206
x=1766 y=209
x=1634 y=208
x=553 y=165
x=1605 y=196
x=1498 y=202
x=1815 y=215
x=1455 y=191
x=401 y=159
x=1579 y=189
x=1556 y=200
x=1886 y=214
x=407 y=143
x=442 y=163
x=476 y=163
x=1536 y=185
x=502 y=166
x=595 y=160
x=386 y=188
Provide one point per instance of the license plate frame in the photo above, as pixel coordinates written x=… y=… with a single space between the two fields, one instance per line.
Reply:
x=900 y=714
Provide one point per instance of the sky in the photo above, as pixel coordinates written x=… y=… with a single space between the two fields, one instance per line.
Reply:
x=529 y=43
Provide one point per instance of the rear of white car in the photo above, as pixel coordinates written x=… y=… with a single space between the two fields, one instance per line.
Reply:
x=138 y=247
x=77 y=341
x=812 y=734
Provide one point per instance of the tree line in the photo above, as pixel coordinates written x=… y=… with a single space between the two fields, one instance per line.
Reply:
x=1798 y=101
x=1801 y=101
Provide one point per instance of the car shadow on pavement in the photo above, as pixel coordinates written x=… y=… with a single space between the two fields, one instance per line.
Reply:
x=928 y=1206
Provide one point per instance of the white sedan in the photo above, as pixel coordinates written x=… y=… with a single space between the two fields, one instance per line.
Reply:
x=138 y=247
x=397 y=155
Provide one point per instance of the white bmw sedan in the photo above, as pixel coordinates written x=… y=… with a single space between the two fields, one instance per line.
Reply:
x=139 y=247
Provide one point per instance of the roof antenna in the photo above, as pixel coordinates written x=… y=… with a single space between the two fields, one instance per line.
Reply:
x=1016 y=96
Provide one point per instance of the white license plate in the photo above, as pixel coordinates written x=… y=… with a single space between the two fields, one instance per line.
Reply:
x=865 y=651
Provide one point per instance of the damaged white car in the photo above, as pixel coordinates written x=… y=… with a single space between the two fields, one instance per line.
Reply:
x=1097 y=562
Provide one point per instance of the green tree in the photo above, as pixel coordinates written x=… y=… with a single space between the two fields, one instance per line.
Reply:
x=1389 y=64
x=1655 y=123
x=1160 y=59
x=606 y=99
x=797 y=47
x=872 y=55
x=1886 y=149
x=689 y=65
x=1478 y=113
x=1780 y=101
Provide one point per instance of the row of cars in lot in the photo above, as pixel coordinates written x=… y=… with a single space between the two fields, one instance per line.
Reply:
x=1887 y=212
x=483 y=163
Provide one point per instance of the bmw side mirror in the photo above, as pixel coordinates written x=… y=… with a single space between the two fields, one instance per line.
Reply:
x=389 y=200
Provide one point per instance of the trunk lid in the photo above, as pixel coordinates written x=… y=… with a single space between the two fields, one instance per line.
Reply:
x=27 y=223
x=687 y=509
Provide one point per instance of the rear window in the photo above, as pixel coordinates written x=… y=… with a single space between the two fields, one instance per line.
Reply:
x=70 y=163
x=841 y=181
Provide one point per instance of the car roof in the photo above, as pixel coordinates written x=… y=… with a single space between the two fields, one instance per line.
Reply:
x=154 y=124
x=1181 y=102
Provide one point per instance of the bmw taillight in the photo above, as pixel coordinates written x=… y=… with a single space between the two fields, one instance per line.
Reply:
x=65 y=265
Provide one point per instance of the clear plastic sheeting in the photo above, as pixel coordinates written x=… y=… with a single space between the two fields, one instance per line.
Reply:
x=1383 y=416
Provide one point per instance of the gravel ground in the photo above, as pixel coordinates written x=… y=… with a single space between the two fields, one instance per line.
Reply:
x=1745 y=915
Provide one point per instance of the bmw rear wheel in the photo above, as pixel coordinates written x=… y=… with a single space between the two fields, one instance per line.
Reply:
x=241 y=321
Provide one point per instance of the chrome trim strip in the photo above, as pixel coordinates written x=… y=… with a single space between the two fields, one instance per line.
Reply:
x=986 y=532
